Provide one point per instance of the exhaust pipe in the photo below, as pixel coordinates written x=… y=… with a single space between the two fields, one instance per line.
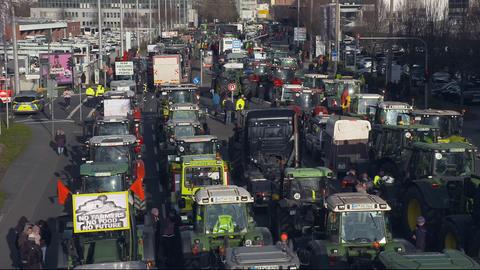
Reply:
x=296 y=141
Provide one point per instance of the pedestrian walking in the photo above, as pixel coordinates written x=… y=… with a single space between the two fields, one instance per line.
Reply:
x=23 y=235
x=216 y=102
x=240 y=106
x=229 y=109
x=420 y=234
x=67 y=96
x=60 y=140
x=168 y=236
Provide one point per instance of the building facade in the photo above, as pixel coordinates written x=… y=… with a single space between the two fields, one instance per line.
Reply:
x=30 y=28
x=247 y=9
x=86 y=11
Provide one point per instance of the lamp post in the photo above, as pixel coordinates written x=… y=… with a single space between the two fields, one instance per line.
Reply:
x=121 y=28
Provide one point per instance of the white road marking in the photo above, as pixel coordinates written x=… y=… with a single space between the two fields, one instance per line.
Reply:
x=153 y=126
x=76 y=109
x=153 y=137
x=157 y=166
x=155 y=150
x=45 y=121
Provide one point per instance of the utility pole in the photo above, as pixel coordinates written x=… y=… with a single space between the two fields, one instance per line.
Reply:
x=389 y=57
x=122 y=39
x=179 y=9
x=172 y=12
x=185 y=11
x=15 y=51
x=100 y=47
x=166 y=16
x=149 y=21
x=159 y=19
x=138 y=27
x=311 y=32
x=337 y=36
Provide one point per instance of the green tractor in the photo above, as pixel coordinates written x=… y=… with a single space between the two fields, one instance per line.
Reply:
x=447 y=259
x=450 y=123
x=437 y=180
x=223 y=219
x=355 y=232
x=363 y=105
x=103 y=233
x=299 y=205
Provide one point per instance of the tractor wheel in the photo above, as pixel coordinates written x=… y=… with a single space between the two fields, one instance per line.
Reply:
x=454 y=234
x=414 y=206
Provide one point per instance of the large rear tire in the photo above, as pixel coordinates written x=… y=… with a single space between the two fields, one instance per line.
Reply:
x=414 y=206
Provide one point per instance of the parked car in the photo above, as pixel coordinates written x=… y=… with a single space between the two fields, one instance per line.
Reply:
x=28 y=102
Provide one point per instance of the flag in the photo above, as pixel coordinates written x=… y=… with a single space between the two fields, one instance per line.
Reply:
x=137 y=188
x=62 y=192
x=140 y=169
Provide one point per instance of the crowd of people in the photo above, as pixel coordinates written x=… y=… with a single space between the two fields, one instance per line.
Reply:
x=32 y=241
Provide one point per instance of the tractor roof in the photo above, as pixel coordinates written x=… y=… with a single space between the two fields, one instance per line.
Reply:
x=447 y=147
x=270 y=113
x=179 y=87
x=414 y=127
x=119 y=94
x=197 y=138
x=316 y=76
x=308 y=172
x=182 y=122
x=367 y=96
x=356 y=202
x=448 y=259
x=122 y=83
x=113 y=119
x=435 y=112
x=103 y=168
x=202 y=160
x=113 y=140
x=222 y=195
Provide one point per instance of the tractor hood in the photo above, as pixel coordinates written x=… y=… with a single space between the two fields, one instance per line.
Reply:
x=114 y=265
x=261 y=257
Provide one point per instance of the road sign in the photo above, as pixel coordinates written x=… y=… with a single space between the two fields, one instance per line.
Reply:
x=334 y=56
x=196 y=80
x=232 y=87
x=97 y=76
x=6 y=96
x=123 y=68
x=299 y=34
x=236 y=44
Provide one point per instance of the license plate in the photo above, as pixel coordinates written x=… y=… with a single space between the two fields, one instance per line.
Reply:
x=265 y=267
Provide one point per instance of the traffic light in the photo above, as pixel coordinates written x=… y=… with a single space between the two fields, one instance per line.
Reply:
x=71 y=63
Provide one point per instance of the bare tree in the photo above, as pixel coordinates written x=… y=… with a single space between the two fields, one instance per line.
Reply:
x=223 y=10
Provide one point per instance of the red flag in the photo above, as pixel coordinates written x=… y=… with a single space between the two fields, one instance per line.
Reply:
x=62 y=192
x=125 y=56
x=137 y=188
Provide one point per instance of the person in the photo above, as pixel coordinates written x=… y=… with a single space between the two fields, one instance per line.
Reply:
x=367 y=180
x=377 y=180
x=168 y=235
x=240 y=105
x=100 y=90
x=155 y=217
x=229 y=109
x=60 y=140
x=345 y=100
x=45 y=237
x=23 y=236
x=420 y=234
x=216 y=102
x=90 y=92
x=350 y=181
x=31 y=253
x=67 y=96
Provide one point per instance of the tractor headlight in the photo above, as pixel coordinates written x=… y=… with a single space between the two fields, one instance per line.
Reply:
x=181 y=148
x=398 y=249
x=296 y=196
x=248 y=242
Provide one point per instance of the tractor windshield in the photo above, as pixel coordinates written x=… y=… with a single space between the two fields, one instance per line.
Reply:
x=182 y=97
x=203 y=176
x=351 y=87
x=119 y=154
x=225 y=218
x=184 y=115
x=362 y=227
x=454 y=164
x=309 y=189
x=448 y=125
x=199 y=148
x=312 y=82
x=101 y=184
x=395 y=117
x=112 y=128
x=364 y=103
x=181 y=131
x=290 y=93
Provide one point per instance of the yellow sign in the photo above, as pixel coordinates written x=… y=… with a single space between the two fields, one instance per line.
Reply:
x=101 y=212
x=264 y=12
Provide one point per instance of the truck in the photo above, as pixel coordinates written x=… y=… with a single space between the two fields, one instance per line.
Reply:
x=346 y=144
x=167 y=69
x=223 y=219
x=266 y=142
x=354 y=232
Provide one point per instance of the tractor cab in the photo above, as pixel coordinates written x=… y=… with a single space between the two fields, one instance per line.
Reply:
x=450 y=123
x=393 y=113
x=186 y=112
x=179 y=128
x=314 y=81
x=123 y=85
x=356 y=231
x=183 y=93
x=197 y=145
x=222 y=218
x=104 y=177
x=191 y=173
x=364 y=105
x=334 y=94
x=113 y=148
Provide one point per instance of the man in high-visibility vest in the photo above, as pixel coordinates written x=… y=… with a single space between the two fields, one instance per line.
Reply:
x=240 y=106
x=90 y=92
x=100 y=90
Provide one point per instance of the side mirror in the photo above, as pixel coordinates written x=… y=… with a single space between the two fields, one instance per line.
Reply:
x=182 y=203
